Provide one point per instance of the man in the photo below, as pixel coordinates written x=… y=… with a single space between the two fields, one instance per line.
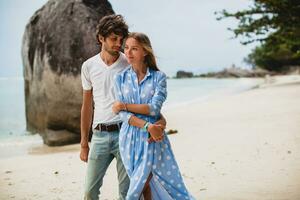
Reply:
x=97 y=76
x=97 y=81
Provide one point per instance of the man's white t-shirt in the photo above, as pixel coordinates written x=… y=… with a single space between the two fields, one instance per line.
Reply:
x=96 y=75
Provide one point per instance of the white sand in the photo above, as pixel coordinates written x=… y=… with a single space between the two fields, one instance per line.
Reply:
x=241 y=147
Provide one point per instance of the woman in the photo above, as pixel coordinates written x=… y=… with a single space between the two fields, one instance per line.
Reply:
x=141 y=89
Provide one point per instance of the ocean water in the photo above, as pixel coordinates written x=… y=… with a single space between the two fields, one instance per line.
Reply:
x=180 y=91
x=188 y=90
x=12 y=107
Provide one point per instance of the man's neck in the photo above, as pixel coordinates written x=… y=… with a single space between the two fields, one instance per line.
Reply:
x=107 y=58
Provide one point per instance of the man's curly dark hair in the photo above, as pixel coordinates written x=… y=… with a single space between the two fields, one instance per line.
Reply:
x=112 y=24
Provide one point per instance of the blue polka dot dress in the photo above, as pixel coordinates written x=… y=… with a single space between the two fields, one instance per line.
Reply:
x=139 y=157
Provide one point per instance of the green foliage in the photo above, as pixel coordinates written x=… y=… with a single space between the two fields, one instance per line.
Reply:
x=274 y=23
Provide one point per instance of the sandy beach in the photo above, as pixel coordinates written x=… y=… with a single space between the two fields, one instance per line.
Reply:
x=243 y=146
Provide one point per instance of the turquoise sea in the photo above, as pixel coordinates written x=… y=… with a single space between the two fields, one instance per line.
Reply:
x=180 y=91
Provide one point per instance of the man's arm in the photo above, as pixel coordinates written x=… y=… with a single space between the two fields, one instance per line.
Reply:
x=139 y=109
x=162 y=121
x=85 y=123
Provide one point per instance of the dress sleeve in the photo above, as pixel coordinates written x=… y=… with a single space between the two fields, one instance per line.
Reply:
x=124 y=115
x=160 y=95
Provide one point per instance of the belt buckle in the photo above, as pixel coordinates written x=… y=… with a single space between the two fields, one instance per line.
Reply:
x=109 y=127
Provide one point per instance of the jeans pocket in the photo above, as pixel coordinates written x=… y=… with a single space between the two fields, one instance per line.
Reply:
x=99 y=145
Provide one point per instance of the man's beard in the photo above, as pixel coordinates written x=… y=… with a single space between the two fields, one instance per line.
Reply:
x=111 y=52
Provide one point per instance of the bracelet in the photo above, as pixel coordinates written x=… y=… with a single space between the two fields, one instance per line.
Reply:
x=125 y=106
x=145 y=128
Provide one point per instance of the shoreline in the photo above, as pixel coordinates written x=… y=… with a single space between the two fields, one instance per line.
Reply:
x=32 y=144
x=21 y=145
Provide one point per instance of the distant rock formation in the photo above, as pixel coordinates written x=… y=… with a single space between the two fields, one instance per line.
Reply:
x=232 y=72
x=184 y=74
x=235 y=72
x=57 y=39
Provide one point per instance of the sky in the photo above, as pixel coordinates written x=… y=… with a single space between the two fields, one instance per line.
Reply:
x=185 y=35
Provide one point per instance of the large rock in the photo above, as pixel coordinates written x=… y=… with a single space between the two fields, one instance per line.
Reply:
x=60 y=137
x=57 y=39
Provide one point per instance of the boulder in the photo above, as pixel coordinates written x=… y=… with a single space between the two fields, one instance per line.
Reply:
x=59 y=37
x=59 y=137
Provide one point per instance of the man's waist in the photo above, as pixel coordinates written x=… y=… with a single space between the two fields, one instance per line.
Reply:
x=109 y=127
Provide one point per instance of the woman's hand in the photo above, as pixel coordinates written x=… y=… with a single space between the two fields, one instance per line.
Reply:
x=156 y=132
x=118 y=106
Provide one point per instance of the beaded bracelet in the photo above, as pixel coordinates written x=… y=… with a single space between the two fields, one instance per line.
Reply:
x=145 y=128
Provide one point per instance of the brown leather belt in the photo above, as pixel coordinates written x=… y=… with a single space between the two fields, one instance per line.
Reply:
x=109 y=128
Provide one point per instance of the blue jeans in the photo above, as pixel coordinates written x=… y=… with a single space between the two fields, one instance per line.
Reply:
x=104 y=148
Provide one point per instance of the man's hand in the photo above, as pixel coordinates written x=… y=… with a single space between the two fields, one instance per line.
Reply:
x=84 y=153
x=162 y=122
x=156 y=132
x=150 y=140
x=118 y=106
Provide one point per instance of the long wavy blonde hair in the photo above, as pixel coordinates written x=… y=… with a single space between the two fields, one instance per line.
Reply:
x=144 y=41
